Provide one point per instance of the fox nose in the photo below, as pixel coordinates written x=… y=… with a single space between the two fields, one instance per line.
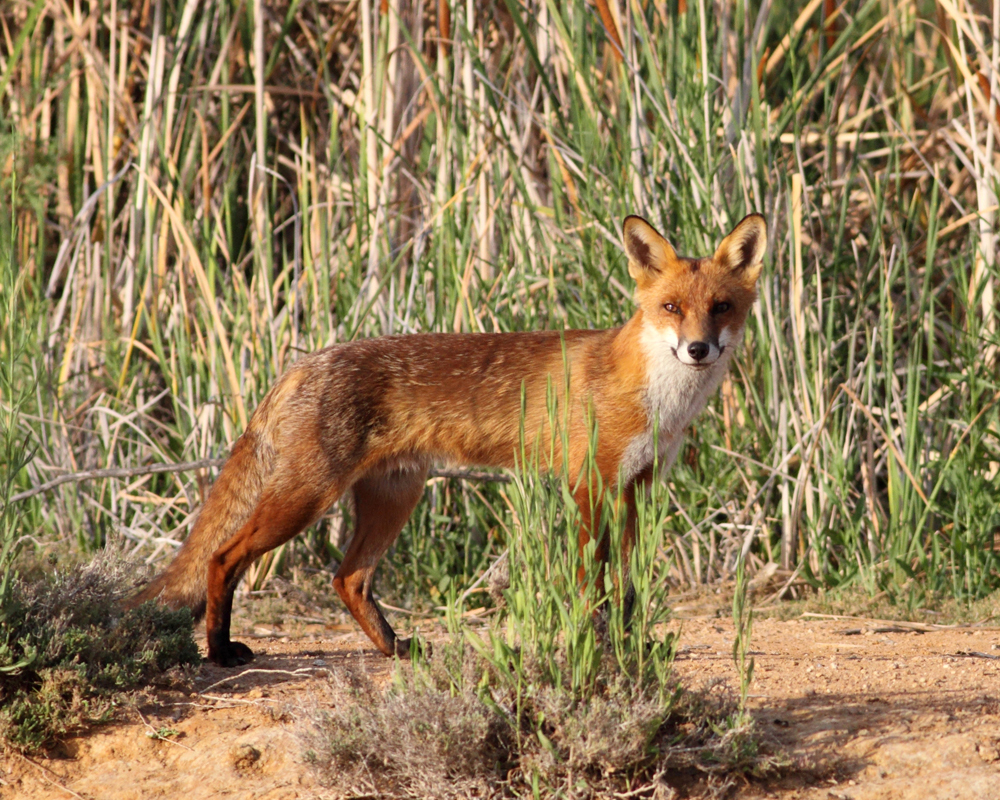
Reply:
x=698 y=350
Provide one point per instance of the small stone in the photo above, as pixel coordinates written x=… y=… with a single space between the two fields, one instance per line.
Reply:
x=988 y=752
x=244 y=756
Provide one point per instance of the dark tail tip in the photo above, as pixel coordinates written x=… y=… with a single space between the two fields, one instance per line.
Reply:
x=151 y=591
x=160 y=591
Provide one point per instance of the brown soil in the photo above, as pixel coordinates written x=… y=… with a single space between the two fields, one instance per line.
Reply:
x=866 y=710
x=860 y=709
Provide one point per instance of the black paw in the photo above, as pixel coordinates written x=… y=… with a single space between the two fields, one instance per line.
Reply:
x=628 y=605
x=406 y=648
x=230 y=654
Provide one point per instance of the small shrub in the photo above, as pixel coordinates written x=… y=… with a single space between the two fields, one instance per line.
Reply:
x=417 y=740
x=67 y=652
x=453 y=727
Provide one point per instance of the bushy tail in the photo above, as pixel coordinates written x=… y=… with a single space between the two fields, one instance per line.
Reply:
x=230 y=502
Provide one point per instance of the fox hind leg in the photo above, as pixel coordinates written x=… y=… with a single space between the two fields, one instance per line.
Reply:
x=382 y=504
x=280 y=514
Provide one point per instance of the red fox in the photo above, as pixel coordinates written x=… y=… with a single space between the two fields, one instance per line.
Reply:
x=370 y=417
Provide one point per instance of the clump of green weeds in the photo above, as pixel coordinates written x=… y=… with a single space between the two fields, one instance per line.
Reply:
x=68 y=654
x=561 y=695
x=743 y=625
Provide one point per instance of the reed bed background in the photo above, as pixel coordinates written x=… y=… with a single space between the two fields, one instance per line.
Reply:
x=193 y=194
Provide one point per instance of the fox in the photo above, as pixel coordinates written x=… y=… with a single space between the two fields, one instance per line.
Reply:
x=369 y=417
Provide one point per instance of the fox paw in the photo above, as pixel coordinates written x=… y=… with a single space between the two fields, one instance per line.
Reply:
x=231 y=654
x=405 y=648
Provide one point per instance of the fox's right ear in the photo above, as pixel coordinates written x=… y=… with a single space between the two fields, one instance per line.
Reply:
x=742 y=251
x=648 y=252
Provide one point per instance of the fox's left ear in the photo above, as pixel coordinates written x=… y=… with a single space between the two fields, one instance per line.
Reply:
x=742 y=250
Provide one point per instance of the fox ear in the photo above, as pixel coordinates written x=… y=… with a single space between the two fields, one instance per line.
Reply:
x=648 y=252
x=743 y=249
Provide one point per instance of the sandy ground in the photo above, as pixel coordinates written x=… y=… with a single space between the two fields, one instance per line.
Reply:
x=866 y=710
x=860 y=709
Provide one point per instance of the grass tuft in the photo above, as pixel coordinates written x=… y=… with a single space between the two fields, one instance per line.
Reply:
x=560 y=695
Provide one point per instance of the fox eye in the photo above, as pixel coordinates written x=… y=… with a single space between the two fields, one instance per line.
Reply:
x=721 y=308
x=670 y=308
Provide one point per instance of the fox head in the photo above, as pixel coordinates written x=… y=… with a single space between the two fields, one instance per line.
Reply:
x=696 y=306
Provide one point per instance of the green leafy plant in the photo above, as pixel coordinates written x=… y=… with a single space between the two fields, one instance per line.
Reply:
x=14 y=450
x=743 y=630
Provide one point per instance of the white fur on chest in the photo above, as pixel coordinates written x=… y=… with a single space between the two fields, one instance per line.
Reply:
x=675 y=393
